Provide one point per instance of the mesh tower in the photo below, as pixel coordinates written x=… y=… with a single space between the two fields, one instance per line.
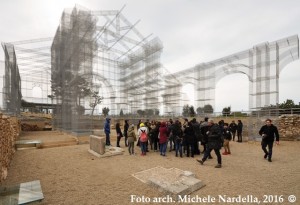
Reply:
x=12 y=82
x=261 y=64
x=101 y=51
x=72 y=55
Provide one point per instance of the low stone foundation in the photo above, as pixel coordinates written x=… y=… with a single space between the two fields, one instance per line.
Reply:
x=171 y=181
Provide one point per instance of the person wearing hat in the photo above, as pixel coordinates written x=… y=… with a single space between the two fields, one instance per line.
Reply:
x=143 y=138
x=107 y=131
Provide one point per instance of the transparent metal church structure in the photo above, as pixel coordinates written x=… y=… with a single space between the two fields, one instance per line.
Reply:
x=102 y=52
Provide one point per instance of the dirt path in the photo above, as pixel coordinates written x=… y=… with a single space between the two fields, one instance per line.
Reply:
x=71 y=175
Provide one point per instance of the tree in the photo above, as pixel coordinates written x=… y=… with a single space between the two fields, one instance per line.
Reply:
x=208 y=108
x=80 y=110
x=200 y=110
x=192 y=111
x=105 y=111
x=288 y=104
x=185 y=110
x=149 y=112
x=96 y=100
x=226 y=111
x=140 y=112
x=121 y=113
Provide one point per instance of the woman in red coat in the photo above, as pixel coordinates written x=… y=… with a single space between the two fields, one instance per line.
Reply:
x=163 y=138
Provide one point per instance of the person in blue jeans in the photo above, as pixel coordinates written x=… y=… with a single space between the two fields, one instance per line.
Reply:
x=268 y=133
x=178 y=137
x=163 y=138
x=143 y=133
x=107 y=131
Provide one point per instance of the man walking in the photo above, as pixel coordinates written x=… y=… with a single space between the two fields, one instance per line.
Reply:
x=214 y=143
x=268 y=132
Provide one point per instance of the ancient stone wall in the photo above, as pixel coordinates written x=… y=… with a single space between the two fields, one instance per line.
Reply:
x=9 y=131
x=289 y=127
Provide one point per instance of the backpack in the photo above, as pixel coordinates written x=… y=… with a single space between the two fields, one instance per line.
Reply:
x=143 y=137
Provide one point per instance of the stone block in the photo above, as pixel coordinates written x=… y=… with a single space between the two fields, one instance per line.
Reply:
x=97 y=144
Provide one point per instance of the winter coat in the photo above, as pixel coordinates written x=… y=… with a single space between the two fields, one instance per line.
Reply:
x=204 y=128
x=233 y=127
x=131 y=135
x=189 y=135
x=214 y=137
x=119 y=132
x=197 y=131
x=227 y=134
x=126 y=126
x=240 y=127
x=107 y=126
x=177 y=132
x=270 y=132
x=163 y=134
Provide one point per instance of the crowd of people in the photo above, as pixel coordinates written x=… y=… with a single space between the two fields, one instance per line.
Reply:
x=186 y=139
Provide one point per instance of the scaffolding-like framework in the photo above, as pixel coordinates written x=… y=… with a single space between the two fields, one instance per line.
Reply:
x=11 y=90
x=262 y=65
x=101 y=51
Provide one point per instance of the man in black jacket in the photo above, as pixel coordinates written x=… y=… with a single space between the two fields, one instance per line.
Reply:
x=233 y=128
x=268 y=132
x=214 y=143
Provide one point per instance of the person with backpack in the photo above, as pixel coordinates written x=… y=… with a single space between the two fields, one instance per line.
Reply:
x=227 y=137
x=143 y=138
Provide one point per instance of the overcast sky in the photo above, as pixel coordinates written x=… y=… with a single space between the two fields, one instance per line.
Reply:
x=192 y=32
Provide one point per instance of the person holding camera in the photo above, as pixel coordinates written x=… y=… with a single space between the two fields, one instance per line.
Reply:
x=268 y=132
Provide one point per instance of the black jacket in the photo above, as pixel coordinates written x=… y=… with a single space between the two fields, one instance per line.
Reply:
x=189 y=135
x=203 y=129
x=233 y=127
x=270 y=132
x=227 y=134
x=239 y=127
x=214 y=137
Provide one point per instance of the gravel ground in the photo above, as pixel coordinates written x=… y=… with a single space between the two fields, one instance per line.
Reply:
x=71 y=175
